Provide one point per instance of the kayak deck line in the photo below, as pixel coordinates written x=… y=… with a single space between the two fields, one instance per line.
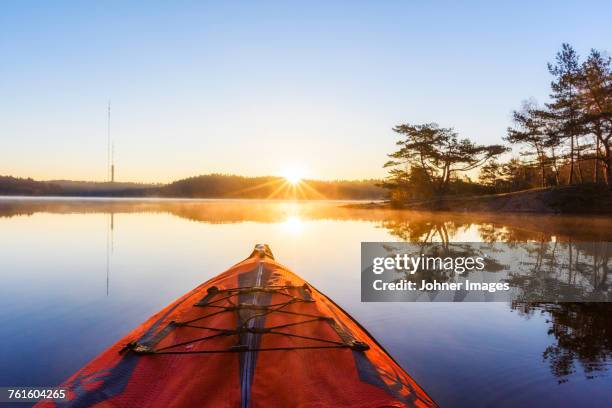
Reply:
x=345 y=340
x=250 y=343
x=256 y=335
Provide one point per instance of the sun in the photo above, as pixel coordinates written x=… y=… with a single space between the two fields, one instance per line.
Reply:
x=293 y=176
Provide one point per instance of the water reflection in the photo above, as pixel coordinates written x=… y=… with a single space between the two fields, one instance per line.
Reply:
x=110 y=248
x=404 y=225
x=293 y=224
x=558 y=265
x=55 y=249
x=564 y=271
x=583 y=337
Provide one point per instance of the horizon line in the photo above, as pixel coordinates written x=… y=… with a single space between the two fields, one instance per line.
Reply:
x=187 y=177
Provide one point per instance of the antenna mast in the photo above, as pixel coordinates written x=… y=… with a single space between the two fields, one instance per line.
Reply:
x=108 y=145
x=113 y=161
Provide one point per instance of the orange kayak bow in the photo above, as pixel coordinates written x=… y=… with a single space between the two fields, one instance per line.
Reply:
x=256 y=335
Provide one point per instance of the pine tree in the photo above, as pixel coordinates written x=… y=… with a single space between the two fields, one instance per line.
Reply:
x=595 y=86
x=435 y=155
x=565 y=105
x=533 y=129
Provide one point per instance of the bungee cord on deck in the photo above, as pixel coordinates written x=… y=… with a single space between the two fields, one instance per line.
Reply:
x=344 y=340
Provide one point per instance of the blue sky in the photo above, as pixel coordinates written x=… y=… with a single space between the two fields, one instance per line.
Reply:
x=254 y=88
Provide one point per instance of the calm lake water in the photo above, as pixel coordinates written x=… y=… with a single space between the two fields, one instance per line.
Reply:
x=77 y=275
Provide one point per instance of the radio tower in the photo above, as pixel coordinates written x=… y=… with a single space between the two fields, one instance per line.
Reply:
x=108 y=144
x=110 y=149
x=113 y=162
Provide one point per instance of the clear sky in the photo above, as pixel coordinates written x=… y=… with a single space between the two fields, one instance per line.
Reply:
x=256 y=87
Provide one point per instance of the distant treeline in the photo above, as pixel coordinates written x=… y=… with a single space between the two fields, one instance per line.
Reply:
x=205 y=186
x=230 y=186
x=27 y=186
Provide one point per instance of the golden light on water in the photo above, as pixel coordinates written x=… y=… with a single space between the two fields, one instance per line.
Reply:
x=293 y=224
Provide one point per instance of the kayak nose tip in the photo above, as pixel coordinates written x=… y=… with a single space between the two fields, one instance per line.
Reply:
x=262 y=250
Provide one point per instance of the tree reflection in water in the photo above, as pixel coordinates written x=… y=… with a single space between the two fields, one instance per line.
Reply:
x=581 y=333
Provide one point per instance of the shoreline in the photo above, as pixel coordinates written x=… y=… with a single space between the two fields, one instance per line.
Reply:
x=577 y=200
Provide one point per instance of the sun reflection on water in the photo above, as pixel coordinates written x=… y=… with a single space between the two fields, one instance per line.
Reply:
x=293 y=224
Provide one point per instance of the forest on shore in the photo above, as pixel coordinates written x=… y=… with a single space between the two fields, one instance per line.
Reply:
x=567 y=141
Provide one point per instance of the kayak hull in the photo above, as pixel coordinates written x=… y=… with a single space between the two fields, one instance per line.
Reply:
x=257 y=335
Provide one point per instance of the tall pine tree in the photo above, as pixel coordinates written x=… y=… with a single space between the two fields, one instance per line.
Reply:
x=564 y=107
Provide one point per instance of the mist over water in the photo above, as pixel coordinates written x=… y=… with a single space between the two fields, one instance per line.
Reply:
x=79 y=274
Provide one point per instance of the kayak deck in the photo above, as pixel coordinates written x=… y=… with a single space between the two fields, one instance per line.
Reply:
x=256 y=335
